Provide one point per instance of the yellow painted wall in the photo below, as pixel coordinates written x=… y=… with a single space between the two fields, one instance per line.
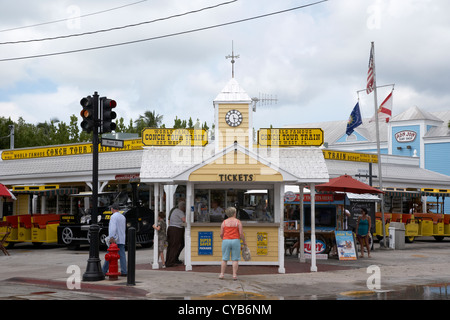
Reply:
x=21 y=204
x=235 y=163
x=250 y=236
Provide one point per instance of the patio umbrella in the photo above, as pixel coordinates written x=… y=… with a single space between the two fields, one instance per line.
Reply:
x=346 y=183
x=4 y=192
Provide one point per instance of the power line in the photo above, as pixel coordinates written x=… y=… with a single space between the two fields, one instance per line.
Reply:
x=81 y=16
x=118 y=28
x=162 y=36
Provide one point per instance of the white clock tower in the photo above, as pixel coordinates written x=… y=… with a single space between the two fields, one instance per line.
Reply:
x=233 y=117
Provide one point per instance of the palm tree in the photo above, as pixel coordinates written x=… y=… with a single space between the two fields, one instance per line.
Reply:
x=149 y=120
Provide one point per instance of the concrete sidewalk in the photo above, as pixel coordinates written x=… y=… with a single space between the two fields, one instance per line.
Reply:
x=421 y=263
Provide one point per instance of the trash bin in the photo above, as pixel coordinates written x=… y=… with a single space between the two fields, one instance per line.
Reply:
x=397 y=235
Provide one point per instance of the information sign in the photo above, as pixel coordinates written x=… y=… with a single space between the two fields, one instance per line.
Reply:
x=163 y=137
x=205 y=243
x=261 y=243
x=350 y=156
x=345 y=245
x=291 y=137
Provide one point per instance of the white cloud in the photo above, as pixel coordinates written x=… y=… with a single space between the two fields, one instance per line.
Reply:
x=314 y=60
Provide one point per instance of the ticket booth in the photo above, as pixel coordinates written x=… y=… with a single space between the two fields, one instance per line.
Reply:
x=231 y=171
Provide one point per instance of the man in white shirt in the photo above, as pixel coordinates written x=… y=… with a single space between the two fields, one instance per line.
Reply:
x=117 y=230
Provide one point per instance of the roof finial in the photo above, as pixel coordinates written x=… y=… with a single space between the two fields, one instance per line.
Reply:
x=232 y=59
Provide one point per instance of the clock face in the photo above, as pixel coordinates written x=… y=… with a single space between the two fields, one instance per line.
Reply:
x=233 y=118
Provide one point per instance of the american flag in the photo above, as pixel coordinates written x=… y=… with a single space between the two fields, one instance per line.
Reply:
x=370 y=73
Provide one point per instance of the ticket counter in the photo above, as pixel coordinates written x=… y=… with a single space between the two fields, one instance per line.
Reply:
x=257 y=209
x=262 y=240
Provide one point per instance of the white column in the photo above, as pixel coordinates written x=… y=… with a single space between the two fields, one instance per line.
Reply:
x=301 y=248
x=279 y=212
x=187 y=231
x=313 y=228
x=155 y=264
x=161 y=198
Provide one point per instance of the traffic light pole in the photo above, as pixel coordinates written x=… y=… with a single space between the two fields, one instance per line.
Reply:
x=93 y=270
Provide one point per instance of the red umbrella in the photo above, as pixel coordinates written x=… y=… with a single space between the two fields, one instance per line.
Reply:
x=4 y=192
x=346 y=183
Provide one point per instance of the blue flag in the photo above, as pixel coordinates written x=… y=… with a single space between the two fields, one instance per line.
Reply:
x=354 y=120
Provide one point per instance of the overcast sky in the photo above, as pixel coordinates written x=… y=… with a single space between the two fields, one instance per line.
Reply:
x=312 y=59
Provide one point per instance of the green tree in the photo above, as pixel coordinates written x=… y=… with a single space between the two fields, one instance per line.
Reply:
x=149 y=120
x=190 y=123
x=74 y=130
x=5 y=132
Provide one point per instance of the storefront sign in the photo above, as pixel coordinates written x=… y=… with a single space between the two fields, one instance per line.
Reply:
x=320 y=246
x=261 y=243
x=66 y=150
x=205 y=243
x=345 y=245
x=295 y=197
x=405 y=136
x=294 y=137
x=122 y=177
x=350 y=156
x=174 y=137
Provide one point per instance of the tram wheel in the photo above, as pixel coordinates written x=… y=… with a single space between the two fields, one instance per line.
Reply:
x=409 y=239
x=67 y=236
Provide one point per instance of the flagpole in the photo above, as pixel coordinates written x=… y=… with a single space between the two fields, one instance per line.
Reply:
x=380 y=174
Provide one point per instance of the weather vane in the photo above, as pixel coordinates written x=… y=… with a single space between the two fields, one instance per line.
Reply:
x=232 y=59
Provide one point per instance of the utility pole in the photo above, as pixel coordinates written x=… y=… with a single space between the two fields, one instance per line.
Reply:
x=11 y=136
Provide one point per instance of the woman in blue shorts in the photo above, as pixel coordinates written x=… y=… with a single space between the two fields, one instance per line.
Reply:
x=231 y=234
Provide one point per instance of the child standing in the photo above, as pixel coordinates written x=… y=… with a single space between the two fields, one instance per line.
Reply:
x=162 y=235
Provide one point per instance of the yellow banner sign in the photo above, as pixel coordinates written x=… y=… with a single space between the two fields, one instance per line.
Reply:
x=66 y=150
x=350 y=156
x=174 y=137
x=294 y=137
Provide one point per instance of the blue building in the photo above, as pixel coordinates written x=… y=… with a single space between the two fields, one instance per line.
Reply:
x=415 y=137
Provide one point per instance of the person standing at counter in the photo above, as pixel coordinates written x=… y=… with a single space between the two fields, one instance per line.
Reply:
x=216 y=210
x=231 y=233
x=175 y=235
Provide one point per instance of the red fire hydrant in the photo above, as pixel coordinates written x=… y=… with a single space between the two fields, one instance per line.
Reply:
x=113 y=257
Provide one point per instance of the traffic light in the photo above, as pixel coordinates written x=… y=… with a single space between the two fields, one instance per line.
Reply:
x=87 y=114
x=107 y=115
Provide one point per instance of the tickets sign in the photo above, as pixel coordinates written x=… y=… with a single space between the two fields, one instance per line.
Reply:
x=174 y=137
x=293 y=137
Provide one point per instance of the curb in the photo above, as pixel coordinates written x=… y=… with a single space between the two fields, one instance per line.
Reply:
x=87 y=287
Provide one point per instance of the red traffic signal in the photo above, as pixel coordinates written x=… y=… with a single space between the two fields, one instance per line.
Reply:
x=107 y=115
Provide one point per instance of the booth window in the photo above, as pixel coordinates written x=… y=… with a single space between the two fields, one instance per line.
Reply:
x=252 y=205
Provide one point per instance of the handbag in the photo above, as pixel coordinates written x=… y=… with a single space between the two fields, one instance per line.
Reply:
x=246 y=253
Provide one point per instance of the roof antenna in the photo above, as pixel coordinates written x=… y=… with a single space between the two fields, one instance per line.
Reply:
x=232 y=59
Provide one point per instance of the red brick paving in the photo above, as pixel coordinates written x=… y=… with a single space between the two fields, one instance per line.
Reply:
x=290 y=265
